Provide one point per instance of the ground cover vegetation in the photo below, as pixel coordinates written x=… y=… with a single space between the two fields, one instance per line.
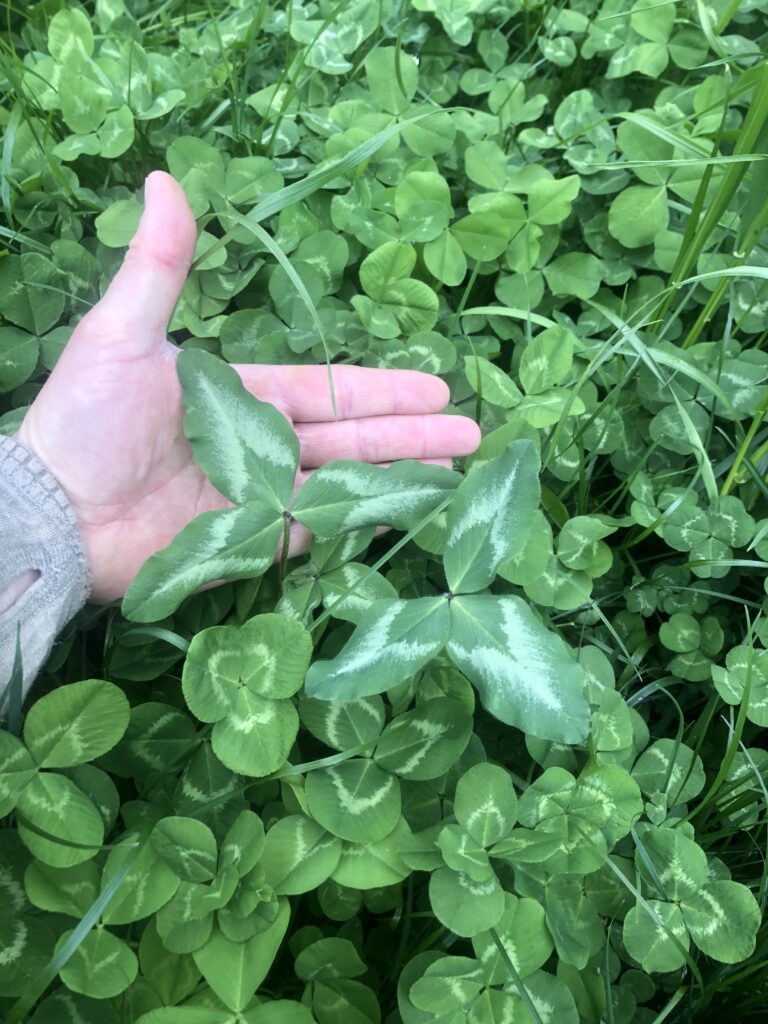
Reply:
x=504 y=763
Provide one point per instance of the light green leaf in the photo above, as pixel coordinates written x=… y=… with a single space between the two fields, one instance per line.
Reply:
x=343 y=724
x=573 y=921
x=329 y=958
x=489 y=517
x=550 y=200
x=579 y=545
x=101 y=967
x=546 y=360
x=677 y=863
x=609 y=797
x=62 y=890
x=649 y=939
x=235 y=970
x=463 y=853
x=389 y=263
x=246 y=448
x=354 y=800
x=425 y=742
x=547 y=409
x=191 y=1015
x=485 y=234
x=672 y=769
x=17 y=768
x=189 y=158
x=386 y=81
x=187 y=846
x=116 y=134
x=449 y=984
x=243 y=844
x=147 y=887
x=495 y=1006
x=430 y=135
x=486 y=803
x=444 y=259
x=256 y=735
x=523 y=933
x=234 y=544
x=638 y=214
x=84 y=102
x=268 y=655
x=371 y=865
x=18 y=357
x=560 y=51
x=299 y=855
x=495 y=386
x=411 y=304
x=744 y=664
x=392 y=641
x=557 y=586
x=574 y=273
x=351 y=589
x=524 y=673
x=419 y=188
x=74 y=146
x=69 y=32
x=54 y=805
x=117 y=225
x=162 y=104
x=486 y=165
x=31 y=295
x=652 y=20
x=76 y=723
x=345 y=496
x=723 y=918
x=681 y=633
x=424 y=222
x=352 y=1000
x=463 y=905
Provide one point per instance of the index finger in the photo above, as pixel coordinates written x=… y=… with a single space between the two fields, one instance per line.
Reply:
x=303 y=392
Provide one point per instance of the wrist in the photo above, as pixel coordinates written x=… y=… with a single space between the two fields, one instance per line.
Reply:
x=53 y=521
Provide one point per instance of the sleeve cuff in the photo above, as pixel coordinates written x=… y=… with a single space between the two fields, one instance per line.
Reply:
x=40 y=533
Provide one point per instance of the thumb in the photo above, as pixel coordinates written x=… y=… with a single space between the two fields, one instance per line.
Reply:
x=139 y=302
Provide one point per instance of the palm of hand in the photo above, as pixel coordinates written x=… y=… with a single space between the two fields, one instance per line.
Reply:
x=108 y=422
x=113 y=438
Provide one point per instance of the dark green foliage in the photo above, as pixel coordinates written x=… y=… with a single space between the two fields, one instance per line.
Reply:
x=507 y=765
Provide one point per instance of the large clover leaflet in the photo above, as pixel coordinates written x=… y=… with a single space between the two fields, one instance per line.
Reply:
x=249 y=452
x=525 y=674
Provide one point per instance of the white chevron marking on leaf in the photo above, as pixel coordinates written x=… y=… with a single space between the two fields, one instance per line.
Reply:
x=377 y=640
x=492 y=508
x=358 y=804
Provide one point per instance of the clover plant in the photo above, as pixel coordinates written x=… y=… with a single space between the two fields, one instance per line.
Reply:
x=503 y=762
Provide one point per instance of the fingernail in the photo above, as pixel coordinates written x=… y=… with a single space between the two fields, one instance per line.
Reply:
x=150 y=188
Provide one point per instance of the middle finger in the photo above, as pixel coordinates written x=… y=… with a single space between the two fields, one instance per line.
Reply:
x=387 y=438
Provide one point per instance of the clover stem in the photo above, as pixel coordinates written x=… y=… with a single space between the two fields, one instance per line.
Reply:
x=286 y=545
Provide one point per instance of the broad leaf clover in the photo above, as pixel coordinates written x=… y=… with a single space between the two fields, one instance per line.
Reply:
x=710 y=534
x=242 y=679
x=524 y=673
x=685 y=902
x=250 y=454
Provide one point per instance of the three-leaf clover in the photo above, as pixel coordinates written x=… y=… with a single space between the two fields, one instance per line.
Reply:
x=249 y=452
x=524 y=673
x=242 y=679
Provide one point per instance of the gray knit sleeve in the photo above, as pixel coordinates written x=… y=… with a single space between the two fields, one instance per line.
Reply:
x=38 y=533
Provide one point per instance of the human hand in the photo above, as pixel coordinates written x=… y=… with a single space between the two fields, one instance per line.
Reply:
x=108 y=421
